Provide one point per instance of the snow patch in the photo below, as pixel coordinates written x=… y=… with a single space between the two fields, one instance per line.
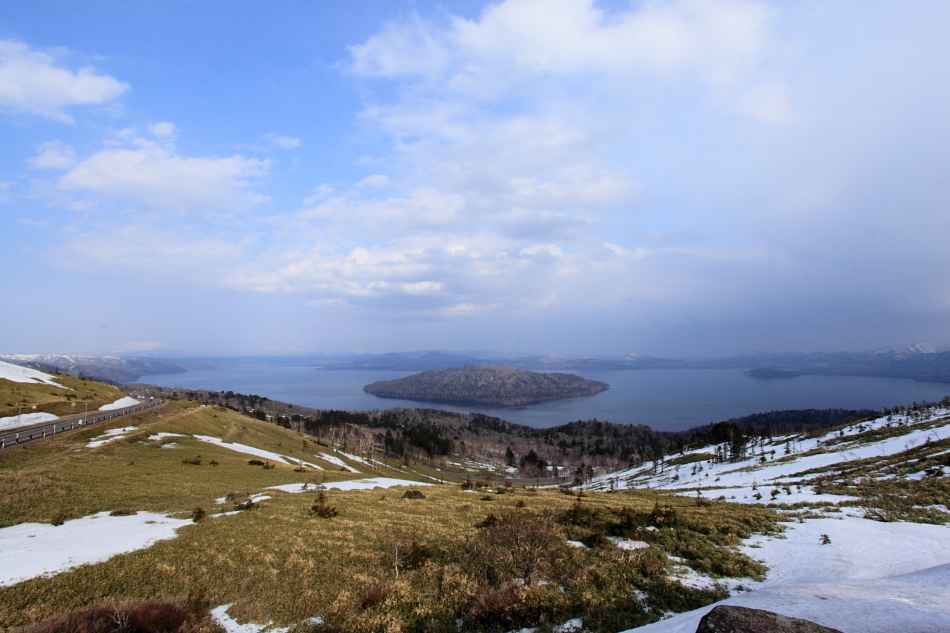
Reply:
x=356 y=484
x=16 y=373
x=257 y=452
x=27 y=419
x=119 y=404
x=162 y=435
x=628 y=544
x=109 y=436
x=336 y=460
x=229 y=624
x=29 y=550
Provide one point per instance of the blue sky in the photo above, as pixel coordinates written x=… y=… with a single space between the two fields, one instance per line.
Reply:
x=567 y=176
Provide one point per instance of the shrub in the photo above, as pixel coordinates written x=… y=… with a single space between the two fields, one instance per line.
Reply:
x=197 y=514
x=373 y=596
x=255 y=462
x=323 y=509
x=122 y=513
x=521 y=544
x=131 y=617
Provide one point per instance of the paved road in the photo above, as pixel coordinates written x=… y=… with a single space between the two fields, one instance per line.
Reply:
x=13 y=437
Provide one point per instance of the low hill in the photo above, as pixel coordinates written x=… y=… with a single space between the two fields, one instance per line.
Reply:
x=486 y=385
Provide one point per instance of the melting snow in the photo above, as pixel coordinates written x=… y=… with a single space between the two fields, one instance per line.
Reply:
x=628 y=544
x=229 y=624
x=28 y=550
x=109 y=436
x=257 y=452
x=336 y=460
x=119 y=404
x=27 y=419
x=872 y=578
x=357 y=484
x=15 y=373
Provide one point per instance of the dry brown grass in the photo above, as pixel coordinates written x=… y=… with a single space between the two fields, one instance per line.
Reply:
x=53 y=400
x=382 y=563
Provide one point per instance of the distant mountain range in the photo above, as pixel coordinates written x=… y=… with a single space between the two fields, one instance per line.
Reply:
x=920 y=361
x=552 y=362
x=110 y=369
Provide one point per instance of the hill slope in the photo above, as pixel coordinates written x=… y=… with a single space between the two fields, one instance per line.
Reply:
x=486 y=385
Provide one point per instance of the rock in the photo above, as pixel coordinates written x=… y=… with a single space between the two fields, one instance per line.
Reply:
x=413 y=494
x=732 y=619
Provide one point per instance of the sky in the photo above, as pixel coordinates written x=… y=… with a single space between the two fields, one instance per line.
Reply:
x=675 y=178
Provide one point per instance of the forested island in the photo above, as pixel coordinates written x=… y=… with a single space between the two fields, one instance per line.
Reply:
x=474 y=384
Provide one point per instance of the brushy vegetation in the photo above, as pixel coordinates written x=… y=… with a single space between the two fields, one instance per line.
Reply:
x=361 y=560
x=178 y=616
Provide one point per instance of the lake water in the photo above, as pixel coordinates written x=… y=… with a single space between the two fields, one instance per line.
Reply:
x=664 y=399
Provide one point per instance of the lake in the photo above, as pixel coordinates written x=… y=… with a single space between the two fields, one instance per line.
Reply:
x=664 y=399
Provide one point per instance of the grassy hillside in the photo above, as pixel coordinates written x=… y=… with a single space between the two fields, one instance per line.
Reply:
x=50 y=399
x=60 y=478
x=376 y=561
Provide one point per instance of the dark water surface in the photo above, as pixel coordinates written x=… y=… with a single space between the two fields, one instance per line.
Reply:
x=665 y=399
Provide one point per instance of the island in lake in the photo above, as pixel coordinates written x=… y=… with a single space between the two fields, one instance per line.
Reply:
x=474 y=384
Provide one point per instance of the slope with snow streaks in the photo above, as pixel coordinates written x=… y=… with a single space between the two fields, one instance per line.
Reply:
x=770 y=468
x=15 y=373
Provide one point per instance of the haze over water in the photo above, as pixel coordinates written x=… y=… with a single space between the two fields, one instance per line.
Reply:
x=664 y=399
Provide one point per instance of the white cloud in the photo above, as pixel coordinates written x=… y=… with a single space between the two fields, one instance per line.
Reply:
x=626 y=253
x=53 y=155
x=163 y=129
x=770 y=102
x=149 y=175
x=40 y=224
x=283 y=142
x=518 y=37
x=376 y=181
x=31 y=81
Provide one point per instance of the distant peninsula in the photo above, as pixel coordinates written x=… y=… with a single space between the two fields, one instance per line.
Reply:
x=474 y=384
x=771 y=372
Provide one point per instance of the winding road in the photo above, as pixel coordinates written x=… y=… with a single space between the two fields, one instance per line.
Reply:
x=27 y=434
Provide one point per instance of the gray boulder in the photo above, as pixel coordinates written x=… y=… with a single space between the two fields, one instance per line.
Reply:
x=731 y=619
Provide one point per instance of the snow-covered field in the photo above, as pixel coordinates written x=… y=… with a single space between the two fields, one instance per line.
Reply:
x=28 y=550
x=15 y=373
x=871 y=578
x=119 y=404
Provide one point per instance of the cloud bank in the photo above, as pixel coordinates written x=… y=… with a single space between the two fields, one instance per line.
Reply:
x=673 y=176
